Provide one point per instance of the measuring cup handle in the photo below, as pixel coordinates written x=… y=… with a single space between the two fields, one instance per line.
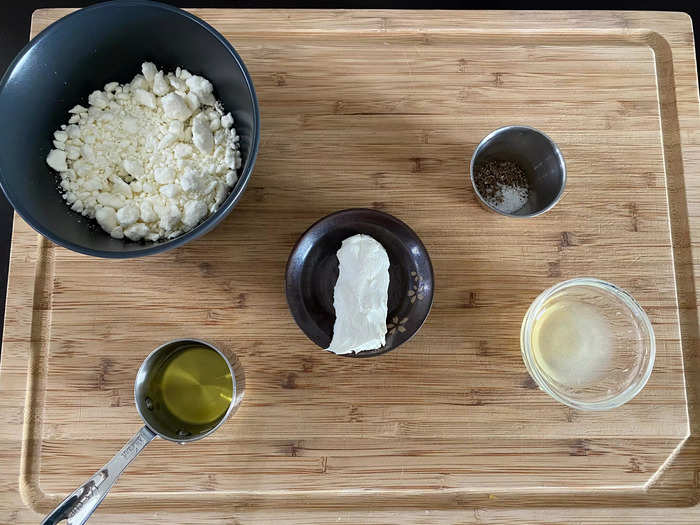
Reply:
x=80 y=505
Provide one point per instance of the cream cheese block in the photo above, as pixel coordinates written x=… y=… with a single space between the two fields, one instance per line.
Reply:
x=360 y=296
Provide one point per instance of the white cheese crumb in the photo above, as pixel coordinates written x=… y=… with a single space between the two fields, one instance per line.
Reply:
x=194 y=211
x=183 y=150
x=107 y=218
x=78 y=109
x=139 y=82
x=145 y=98
x=136 y=232
x=227 y=120
x=202 y=88
x=133 y=168
x=202 y=136
x=98 y=99
x=177 y=83
x=175 y=107
x=160 y=85
x=57 y=160
x=147 y=213
x=231 y=178
x=146 y=162
x=128 y=215
x=149 y=71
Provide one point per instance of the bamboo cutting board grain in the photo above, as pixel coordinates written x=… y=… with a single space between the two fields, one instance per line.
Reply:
x=383 y=109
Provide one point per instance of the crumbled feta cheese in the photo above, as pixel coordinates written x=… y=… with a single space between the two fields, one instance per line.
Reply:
x=145 y=98
x=230 y=159
x=231 y=178
x=133 y=168
x=145 y=161
x=202 y=88
x=98 y=99
x=128 y=215
x=149 y=71
x=78 y=109
x=227 y=120
x=183 y=150
x=160 y=85
x=177 y=83
x=190 y=180
x=131 y=125
x=73 y=153
x=57 y=160
x=107 y=218
x=167 y=140
x=139 y=82
x=192 y=102
x=176 y=127
x=110 y=199
x=175 y=107
x=119 y=186
x=194 y=212
x=147 y=213
x=73 y=131
x=136 y=232
x=164 y=175
x=169 y=217
x=202 y=136
x=170 y=190
x=117 y=233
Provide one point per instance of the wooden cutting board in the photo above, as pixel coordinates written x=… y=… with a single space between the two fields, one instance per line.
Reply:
x=383 y=109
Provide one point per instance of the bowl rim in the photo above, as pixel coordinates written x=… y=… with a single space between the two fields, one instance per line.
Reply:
x=210 y=222
x=555 y=149
x=630 y=302
x=302 y=238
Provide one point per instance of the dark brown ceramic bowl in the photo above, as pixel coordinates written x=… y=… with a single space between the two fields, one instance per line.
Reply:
x=312 y=271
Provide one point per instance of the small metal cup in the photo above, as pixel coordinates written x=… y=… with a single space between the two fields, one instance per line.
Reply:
x=160 y=420
x=80 y=505
x=536 y=154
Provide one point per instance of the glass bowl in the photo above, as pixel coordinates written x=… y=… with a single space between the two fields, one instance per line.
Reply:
x=588 y=344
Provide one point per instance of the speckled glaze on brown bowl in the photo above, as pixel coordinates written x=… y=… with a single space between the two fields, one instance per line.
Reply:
x=312 y=271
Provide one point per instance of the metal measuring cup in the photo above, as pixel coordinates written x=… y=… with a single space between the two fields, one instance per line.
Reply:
x=80 y=505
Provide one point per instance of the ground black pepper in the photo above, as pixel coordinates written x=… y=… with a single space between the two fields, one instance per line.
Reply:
x=491 y=175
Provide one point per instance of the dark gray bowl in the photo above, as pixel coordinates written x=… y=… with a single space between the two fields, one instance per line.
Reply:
x=80 y=53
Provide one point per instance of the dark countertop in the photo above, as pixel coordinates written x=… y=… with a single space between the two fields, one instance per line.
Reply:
x=15 y=21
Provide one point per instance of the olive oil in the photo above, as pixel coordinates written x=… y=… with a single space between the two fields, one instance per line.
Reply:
x=195 y=386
